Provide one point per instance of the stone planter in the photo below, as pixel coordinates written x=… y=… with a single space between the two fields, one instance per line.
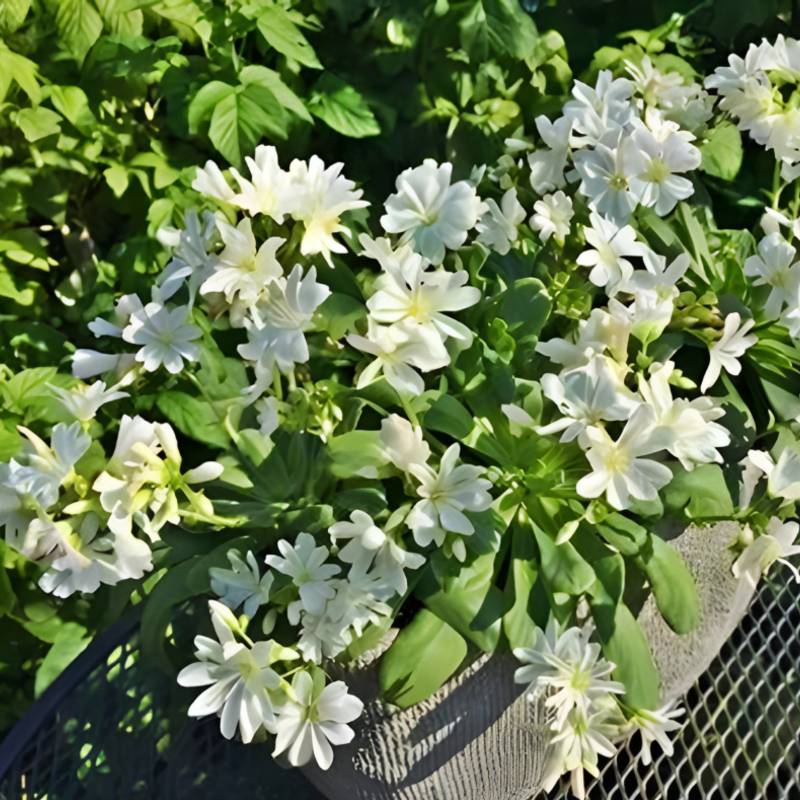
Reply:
x=478 y=738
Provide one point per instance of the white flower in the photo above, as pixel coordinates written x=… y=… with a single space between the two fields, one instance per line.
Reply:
x=84 y=401
x=190 y=255
x=783 y=476
x=165 y=336
x=601 y=332
x=124 y=308
x=430 y=211
x=358 y=603
x=497 y=228
x=618 y=468
x=240 y=272
x=776 y=544
x=305 y=564
x=276 y=327
x=728 y=349
x=600 y=111
x=267 y=415
x=606 y=174
x=88 y=363
x=369 y=547
x=210 y=181
x=242 y=584
x=313 y=719
x=775 y=266
x=611 y=247
x=585 y=396
x=269 y=190
x=240 y=678
x=399 y=350
x=578 y=746
x=446 y=494
x=694 y=436
x=568 y=668
x=654 y=727
x=79 y=560
x=664 y=152
x=547 y=166
x=403 y=442
x=407 y=291
x=324 y=194
x=552 y=217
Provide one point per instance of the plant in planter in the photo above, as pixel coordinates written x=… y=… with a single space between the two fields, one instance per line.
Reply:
x=465 y=425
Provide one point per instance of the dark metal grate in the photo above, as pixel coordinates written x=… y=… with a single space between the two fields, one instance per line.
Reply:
x=104 y=730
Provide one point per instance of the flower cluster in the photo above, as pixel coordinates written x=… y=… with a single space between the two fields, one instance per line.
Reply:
x=66 y=507
x=760 y=91
x=495 y=388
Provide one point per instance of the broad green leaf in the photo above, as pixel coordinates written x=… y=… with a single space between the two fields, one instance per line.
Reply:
x=79 y=25
x=241 y=120
x=37 y=123
x=623 y=534
x=193 y=416
x=7 y=596
x=339 y=314
x=424 y=655
x=500 y=26
x=520 y=621
x=357 y=454
x=448 y=415
x=722 y=151
x=342 y=107
x=699 y=494
x=470 y=601
x=525 y=307
x=204 y=102
x=122 y=16
x=12 y=14
x=21 y=70
x=256 y=73
x=71 y=641
x=672 y=584
x=624 y=642
x=563 y=568
x=72 y=103
x=277 y=27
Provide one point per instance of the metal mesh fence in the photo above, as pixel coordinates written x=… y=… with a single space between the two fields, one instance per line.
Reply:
x=110 y=735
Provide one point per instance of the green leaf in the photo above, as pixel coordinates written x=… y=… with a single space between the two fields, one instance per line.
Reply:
x=241 y=119
x=339 y=314
x=699 y=494
x=563 y=568
x=72 y=103
x=672 y=584
x=21 y=70
x=525 y=307
x=500 y=26
x=79 y=25
x=623 y=534
x=12 y=14
x=71 y=640
x=194 y=417
x=342 y=107
x=448 y=415
x=519 y=623
x=357 y=454
x=204 y=102
x=277 y=27
x=624 y=642
x=37 y=123
x=7 y=596
x=423 y=656
x=255 y=73
x=470 y=601
x=722 y=151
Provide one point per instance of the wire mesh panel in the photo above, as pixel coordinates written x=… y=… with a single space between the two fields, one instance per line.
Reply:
x=112 y=734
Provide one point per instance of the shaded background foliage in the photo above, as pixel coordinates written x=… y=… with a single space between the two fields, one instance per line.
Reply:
x=107 y=106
